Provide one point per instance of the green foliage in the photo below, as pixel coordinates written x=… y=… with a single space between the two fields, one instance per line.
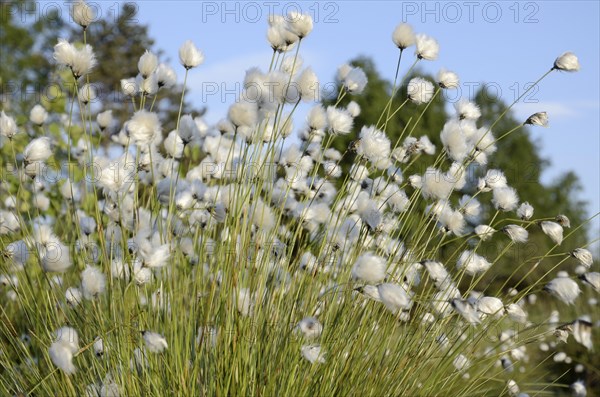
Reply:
x=28 y=75
x=26 y=41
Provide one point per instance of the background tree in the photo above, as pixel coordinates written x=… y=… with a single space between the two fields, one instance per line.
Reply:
x=27 y=39
x=26 y=42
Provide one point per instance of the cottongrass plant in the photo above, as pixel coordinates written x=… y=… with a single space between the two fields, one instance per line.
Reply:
x=231 y=260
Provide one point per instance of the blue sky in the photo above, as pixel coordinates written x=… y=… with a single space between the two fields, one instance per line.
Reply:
x=503 y=44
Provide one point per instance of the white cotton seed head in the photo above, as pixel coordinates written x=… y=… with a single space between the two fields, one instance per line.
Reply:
x=300 y=24
x=243 y=114
x=118 y=269
x=8 y=126
x=403 y=36
x=41 y=202
x=454 y=140
x=467 y=110
x=355 y=80
x=165 y=76
x=310 y=327
x=62 y=357
x=16 y=252
x=471 y=207
x=39 y=149
x=466 y=310
x=484 y=142
x=563 y=220
x=452 y=221
x=87 y=94
x=435 y=184
x=80 y=61
x=188 y=129
x=369 y=212
x=104 y=119
x=313 y=353
x=144 y=127
x=173 y=145
x=155 y=342
x=567 y=62
x=68 y=337
x=516 y=233
x=369 y=268
x=93 y=282
x=419 y=90
x=98 y=347
x=317 y=118
x=525 y=211
x=129 y=87
x=353 y=108
x=157 y=257
x=189 y=55
x=147 y=64
x=505 y=198
x=308 y=86
x=472 y=263
x=64 y=53
x=582 y=332
x=262 y=216
x=148 y=85
x=516 y=313
x=513 y=388
x=141 y=275
x=493 y=179
x=245 y=301
x=280 y=36
x=490 y=305
x=563 y=288
x=578 y=389
x=73 y=296
x=87 y=224
x=38 y=115
x=540 y=118
x=374 y=145
x=339 y=120
x=484 y=232
x=447 y=79
x=552 y=230
x=370 y=291
x=584 y=257
x=343 y=71
x=395 y=298
x=82 y=14
x=290 y=65
x=427 y=47
x=55 y=258
x=358 y=172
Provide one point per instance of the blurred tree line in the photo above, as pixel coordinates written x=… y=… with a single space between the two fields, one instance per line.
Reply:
x=28 y=32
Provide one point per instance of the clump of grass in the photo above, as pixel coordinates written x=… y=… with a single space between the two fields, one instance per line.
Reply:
x=242 y=259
